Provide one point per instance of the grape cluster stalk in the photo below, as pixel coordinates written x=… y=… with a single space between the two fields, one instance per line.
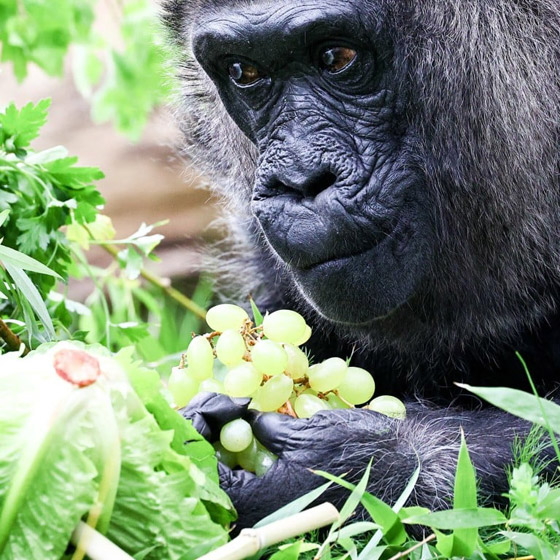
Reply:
x=265 y=363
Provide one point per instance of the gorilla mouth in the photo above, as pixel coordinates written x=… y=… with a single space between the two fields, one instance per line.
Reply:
x=307 y=234
x=399 y=235
x=361 y=287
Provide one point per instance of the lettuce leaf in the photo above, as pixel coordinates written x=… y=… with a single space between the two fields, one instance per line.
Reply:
x=97 y=453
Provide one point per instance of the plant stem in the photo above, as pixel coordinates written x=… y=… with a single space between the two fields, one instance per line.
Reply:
x=174 y=294
x=412 y=548
x=12 y=340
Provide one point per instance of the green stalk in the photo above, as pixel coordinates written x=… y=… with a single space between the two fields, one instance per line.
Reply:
x=171 y=292
x=109 y=445
x=541 y=408
x=39 y=432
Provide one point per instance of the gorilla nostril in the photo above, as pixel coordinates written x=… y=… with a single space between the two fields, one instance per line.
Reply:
x=308 y=186
x=319 y=184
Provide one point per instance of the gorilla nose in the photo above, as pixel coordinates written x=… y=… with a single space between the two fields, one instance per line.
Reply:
x=304 y=183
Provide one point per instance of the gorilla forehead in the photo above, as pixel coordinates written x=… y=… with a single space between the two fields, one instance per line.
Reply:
x=268 y=24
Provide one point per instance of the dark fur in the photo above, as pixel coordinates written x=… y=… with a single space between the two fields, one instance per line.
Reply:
x=482 y=84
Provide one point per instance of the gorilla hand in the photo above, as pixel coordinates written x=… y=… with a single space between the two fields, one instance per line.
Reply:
x=321 y=442
x=344 y=441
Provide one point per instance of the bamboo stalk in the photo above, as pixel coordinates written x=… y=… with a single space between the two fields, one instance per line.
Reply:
x=97 y=546
x=12 y=340
x=250 y=541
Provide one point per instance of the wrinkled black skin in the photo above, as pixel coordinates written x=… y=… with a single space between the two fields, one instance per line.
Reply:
x=373 y=213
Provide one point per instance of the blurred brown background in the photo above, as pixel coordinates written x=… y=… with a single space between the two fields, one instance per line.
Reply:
x=144 y=181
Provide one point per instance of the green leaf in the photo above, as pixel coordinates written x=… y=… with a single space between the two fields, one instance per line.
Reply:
x=289 y=553
x=463 y=540
x=520 y=404
x=357 y=528
x=391 y=527
x=3 y=217
x=148 y=243
x=131 y=261
x=295 y=506
x=464 y=497
x=159 y=507
x=52 y=154
x=459 y=519
x=32 y=295
x=42 y=454
x=257 y=315
x=497 y=547
x=132 y=330
x=22 y=261
x=539 y=548
x=465 y=479
x=69 y=176
x=78 y=234
x=23 y=125
x=186 y=440
x=354 y=499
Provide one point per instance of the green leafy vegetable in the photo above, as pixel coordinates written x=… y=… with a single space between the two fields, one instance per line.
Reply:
x=77 y=442
x=39 y=194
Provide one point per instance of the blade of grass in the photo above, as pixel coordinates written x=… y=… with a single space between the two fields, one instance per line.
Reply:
x=541 y=407
x=26 y=287
x=294 y=507
x=24 y=262
x=459 y=519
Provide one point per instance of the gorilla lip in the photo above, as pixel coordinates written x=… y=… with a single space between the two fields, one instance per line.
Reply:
x=399 y=233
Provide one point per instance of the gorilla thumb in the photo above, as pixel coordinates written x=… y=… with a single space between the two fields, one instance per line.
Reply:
x=274 y=430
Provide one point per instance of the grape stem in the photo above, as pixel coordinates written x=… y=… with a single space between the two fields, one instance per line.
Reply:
x=209 y=336
x=288 y=409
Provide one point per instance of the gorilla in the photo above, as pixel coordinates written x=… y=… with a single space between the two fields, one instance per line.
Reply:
x=391 y=169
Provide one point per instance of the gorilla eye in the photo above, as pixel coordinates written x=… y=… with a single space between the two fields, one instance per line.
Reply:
x=336 y=59
x=244 y=74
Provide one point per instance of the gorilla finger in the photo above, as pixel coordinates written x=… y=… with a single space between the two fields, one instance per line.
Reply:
x=231 y=479
x=273 y=430
x=210 y=411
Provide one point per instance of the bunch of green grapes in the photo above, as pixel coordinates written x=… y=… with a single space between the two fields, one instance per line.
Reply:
x=265 y=362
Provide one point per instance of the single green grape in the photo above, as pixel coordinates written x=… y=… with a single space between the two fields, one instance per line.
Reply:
x=246 y=457
x=269 y=357
x=334 y=401
x=182 y=386
x=327 y=375
x=264 y=460
x=274 y=393
x=389 y=406
x=284 y=326
x=307 y=405
x=306 y=336
x=298 y=363
x=242 y=380
x=230 y=348
x=224 y=456
x=211 y=386
x=226 y=316
x=200 y=358
x=357 y=387
x=236 y=435
x=254 y=404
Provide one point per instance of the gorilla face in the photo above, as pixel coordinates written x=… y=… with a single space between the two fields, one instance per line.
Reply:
x=336 y=193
